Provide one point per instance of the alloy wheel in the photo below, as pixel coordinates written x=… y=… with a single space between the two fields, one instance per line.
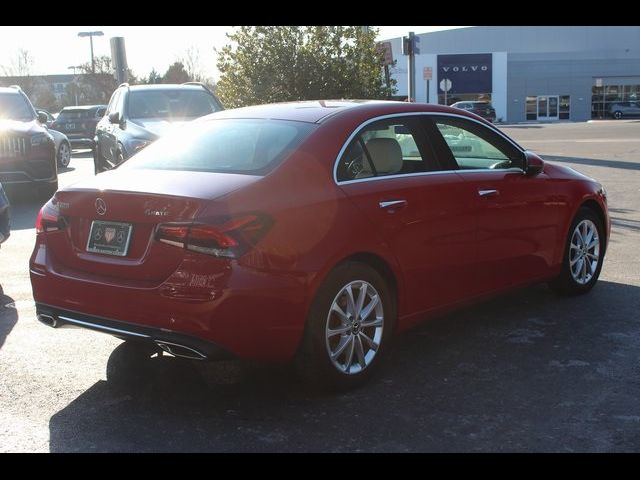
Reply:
x=584 y=252
x=354 y=327
x=64 y=155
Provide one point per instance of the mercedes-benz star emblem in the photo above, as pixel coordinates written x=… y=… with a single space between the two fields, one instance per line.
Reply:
x=101 y=206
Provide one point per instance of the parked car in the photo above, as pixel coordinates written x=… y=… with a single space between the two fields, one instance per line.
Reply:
x=79 y=124
x=27 y=153
x=5 y=226
x=310 y=231
x=62 y=144
x=483 y=109
x=620 y=110
x=138 y=115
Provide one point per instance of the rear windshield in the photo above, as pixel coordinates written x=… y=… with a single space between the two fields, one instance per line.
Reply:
x=83 y=114
x=14 y=107
x=170 y=104
x=227 y=146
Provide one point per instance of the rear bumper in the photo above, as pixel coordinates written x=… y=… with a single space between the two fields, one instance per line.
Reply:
x=176 y=343
x=82 y=142
x=250 y=313
x=29 y=170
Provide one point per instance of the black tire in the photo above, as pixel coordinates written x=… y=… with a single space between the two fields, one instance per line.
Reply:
x=99 y=162
x=617 y=115
x=130 y=365
x=313 y=361
x=63 y=155
x=566 y=283
x=120 y=156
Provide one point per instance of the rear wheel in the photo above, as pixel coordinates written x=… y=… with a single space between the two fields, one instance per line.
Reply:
x=583 y=255
x=617 y=115
x=347 y=330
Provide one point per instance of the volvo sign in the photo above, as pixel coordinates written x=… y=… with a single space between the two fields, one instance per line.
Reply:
x=467 y=73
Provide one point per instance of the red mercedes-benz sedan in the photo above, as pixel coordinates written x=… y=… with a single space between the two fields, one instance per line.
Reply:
x=310 y=232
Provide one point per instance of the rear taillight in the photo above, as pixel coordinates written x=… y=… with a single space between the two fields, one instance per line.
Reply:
x=49 y=218
x=230 y=238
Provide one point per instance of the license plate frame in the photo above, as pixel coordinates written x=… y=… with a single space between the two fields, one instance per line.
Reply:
x=118 y=243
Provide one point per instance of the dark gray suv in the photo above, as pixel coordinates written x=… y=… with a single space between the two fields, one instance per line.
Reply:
x=138 y=115
x=620 y=110
x=27 y=149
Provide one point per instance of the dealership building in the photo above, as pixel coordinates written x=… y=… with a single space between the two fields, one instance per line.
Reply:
x=528 y=73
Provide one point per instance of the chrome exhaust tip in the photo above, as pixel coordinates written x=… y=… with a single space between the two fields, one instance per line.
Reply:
x=48 y=320
x=180 y=350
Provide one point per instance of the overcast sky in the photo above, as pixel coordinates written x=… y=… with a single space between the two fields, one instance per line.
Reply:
x=54 y=49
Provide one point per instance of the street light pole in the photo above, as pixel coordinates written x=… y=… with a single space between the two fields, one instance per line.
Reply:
x=91 y=35
x=75 y=87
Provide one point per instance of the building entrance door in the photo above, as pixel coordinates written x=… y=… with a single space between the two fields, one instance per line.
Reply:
x=548 y=107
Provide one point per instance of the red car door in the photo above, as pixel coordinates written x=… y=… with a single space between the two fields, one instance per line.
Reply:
x=424 y=214
x=517 y=215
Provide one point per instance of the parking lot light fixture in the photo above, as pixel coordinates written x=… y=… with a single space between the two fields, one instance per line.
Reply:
x=91 y=35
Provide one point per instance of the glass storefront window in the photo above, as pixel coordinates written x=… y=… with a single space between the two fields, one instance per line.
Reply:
x=532 y=109
x=565 y=105
x=603 y=97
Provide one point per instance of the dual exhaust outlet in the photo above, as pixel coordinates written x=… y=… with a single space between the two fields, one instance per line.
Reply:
x=171 y=348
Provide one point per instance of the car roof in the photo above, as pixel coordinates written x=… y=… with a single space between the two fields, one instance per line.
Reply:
x=9 y=90
x=167 y=86
x=82 y=107
x=318 y=111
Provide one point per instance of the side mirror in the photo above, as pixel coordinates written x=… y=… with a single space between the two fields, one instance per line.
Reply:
x=533 y=164
x=114 y=117
x=42 y=118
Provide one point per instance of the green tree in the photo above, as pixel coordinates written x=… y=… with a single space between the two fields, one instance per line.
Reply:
x=176 y=73
x=96 y=87
x=154 y=77
x=284 y=63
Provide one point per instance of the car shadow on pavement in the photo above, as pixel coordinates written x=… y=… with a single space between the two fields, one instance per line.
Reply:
x=630 y=165
x=24 y=209
x=8 y=316
x=528 y=371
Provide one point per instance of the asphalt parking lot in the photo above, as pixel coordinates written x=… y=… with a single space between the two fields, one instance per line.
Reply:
x=528 y=371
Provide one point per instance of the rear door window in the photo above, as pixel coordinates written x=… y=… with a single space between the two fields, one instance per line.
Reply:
x=387 y=147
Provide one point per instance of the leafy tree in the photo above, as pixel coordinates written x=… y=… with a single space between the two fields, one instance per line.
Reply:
x=283 y=63
x=96 y=87
x=43 y=97
x=154 y=77
x=176 y=73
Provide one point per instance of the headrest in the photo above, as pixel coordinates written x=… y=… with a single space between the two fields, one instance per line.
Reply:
x=386 y=155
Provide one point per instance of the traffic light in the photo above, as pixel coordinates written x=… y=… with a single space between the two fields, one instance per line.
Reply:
x=411 y=45
x=406 y=46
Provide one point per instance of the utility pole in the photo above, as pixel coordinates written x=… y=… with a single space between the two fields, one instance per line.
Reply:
x=410 y=46
x=91 y=35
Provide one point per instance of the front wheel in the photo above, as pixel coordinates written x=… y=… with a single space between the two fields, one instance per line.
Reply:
x=348 y=328
x=583 y=255
x=64 y=155
x=617 y=115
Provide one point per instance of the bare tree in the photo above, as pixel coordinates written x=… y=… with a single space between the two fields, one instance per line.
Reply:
x=192 y=64
x=21 y=69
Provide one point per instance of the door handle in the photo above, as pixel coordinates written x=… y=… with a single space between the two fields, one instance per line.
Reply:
x=393 y=203
x=487 y=193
